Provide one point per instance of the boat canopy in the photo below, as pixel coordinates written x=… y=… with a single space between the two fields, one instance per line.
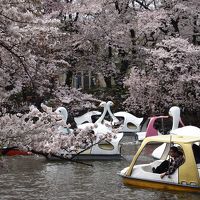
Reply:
x=172 y=138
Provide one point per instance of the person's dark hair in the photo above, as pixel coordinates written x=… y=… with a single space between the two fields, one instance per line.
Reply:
x=175 y=149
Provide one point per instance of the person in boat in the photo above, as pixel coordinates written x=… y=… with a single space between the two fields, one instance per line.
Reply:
x=169 y=166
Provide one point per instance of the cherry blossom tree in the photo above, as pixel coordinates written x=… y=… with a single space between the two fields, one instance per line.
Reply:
x=26 y=48
x=169 y=77
x=171 y=18
x=168 y=69
x=34 y=51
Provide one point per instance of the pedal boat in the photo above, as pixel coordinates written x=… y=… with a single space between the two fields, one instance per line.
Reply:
x=149 y=127
x=13 y=151
x=186 y=178
x=104 y=150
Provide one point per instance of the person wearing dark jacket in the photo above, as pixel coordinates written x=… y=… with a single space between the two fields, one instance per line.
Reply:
x=169 y=166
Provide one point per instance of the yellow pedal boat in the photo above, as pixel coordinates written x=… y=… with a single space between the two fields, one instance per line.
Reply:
x=185 y=178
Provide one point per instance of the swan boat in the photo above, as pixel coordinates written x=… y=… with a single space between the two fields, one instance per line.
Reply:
x=86 y=118
x=150 y=129
x=131 y=124
x=103 y=150
x=185 y=178
x=163 y=124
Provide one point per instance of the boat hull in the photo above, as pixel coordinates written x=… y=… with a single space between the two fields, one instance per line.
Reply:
x=13 y=152
x=158 y=185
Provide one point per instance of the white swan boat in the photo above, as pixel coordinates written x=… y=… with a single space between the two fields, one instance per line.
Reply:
x=101 y=150
x=87 y=117
x=131 y=124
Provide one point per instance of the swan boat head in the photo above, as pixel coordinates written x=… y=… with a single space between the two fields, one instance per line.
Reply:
x=62 y=111
x=175 y=113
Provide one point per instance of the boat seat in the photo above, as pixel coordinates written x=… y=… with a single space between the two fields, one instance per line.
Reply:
x=144 y=171
x=149 y=166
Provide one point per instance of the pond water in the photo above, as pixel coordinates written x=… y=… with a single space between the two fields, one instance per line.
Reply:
x=33 y=177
